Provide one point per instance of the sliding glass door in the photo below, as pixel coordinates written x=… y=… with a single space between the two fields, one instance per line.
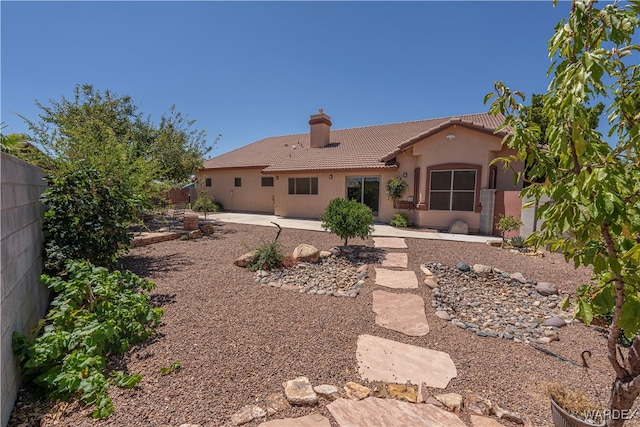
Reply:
x=366 y=190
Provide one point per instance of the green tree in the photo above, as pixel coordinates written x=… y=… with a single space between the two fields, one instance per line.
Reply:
x=593 y=188
x=347 y=218
x=205 y=203
x=106 y=131
x=87 y=219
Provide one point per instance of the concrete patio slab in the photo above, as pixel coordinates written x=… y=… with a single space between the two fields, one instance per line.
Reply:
x=390 y=413
x=313 y=420
x=396 y=279
x=400 y=312
x=393 y=362
x=389 y=242
x=395 y=260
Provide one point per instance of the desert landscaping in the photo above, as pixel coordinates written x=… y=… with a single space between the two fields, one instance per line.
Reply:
x=240 y=336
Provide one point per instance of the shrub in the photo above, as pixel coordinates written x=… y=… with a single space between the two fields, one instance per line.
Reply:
x=396 y=189
x=347 y=218
x=88 y=218
x=400 y=220
x=94 y=313
x=269 y=255
x=506 y=224
x=517 y=242
x=206 y=203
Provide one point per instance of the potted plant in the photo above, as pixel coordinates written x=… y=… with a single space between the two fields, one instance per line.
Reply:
x=572 y=409
x=396 y=189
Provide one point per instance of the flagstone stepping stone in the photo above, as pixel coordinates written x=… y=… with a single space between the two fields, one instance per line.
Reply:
x=313 y=420
x=400 y=312
x=389 y=242
x=396 y=279
x=477 y=421
x=390 y=413
x=380 y=359
x=395 y=259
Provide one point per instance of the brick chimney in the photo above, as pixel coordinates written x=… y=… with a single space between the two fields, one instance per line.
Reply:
x=320 y=125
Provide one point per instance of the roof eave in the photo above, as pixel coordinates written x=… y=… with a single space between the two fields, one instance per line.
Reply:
x=453 y=122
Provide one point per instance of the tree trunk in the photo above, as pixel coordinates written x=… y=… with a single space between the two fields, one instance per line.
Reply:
x=623 y=394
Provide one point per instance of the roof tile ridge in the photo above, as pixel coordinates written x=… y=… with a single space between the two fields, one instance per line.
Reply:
x=459 y=116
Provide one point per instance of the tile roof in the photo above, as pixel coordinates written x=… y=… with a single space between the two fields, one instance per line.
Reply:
x=366 y=147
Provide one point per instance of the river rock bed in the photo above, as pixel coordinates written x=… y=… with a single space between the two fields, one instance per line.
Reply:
x=497 y=306
x=342 y=274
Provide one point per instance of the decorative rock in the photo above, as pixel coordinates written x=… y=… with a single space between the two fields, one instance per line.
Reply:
x=190 y=222
x=546 y=288
x=463 y=266
x=553 y=335
x=356 y=391
x=402 y=392
x=246 y=259
x=390 y=413
x=423 y=393
x=246 y=414
x=195 y=234
x=477 y=421
x=494 y=243
x=519 y=277
x=451 y=401
x=433 y=401
x=300 y=392
x=443 y=315
x=555 y=321
x=504 y=414
x=325 y=254
x=459 y=227
x=335 y=250
x=430 y=283
x=313 y=420
x=482 y=270
x=306 y=253
x=207 y=229
x=477 y=404
x=327 y=391
x=276 y=402
x=362 y=268
x=425 y=270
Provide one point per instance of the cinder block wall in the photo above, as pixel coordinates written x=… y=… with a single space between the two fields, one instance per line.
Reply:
x=24 y=300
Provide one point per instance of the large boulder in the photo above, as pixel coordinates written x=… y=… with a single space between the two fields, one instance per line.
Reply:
x=247 y=259
x=306 y=253
x=459 y=227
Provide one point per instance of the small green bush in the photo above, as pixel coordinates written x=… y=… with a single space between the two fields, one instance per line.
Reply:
x=206 y=204
x=268 y=256
x=347 y=218
x=400 y=219
x=88 y=218
x=517 y=242
x=95 y=313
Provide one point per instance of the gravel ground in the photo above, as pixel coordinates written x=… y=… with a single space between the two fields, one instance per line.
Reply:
x=238 y=341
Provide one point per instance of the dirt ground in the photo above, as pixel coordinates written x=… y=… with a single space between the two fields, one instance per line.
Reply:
x=237 y=341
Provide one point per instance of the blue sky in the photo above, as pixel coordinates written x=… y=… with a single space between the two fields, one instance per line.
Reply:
x=249 y=70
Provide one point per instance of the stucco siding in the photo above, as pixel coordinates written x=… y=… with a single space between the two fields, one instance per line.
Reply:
x=249 y=196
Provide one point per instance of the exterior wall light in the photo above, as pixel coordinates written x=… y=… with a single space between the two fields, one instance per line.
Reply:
x=330 y=176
